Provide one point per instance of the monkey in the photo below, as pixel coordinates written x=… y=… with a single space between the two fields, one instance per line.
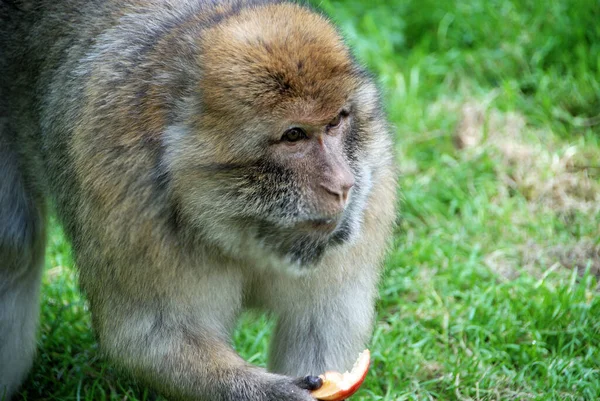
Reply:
x=204 y=158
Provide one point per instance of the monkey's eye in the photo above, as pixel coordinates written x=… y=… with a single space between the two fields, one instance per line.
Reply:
x=294 y=135
x=337 y=120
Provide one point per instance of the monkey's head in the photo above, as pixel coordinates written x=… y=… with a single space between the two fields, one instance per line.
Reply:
x=283 y=134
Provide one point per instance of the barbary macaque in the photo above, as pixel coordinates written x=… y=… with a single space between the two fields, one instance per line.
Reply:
x=203 y=157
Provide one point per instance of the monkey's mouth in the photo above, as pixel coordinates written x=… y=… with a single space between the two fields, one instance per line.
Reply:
x=305 y=242
x=321 y=225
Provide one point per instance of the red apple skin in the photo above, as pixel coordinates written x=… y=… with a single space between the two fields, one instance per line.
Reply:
x=339 y=394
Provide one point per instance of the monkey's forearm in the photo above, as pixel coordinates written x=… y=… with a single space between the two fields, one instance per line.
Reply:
x=321 y=329
x=184 y=358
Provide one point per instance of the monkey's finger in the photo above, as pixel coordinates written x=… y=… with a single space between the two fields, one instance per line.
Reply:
x=310 y=383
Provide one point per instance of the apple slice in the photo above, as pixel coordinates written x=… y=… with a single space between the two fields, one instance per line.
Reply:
x=339 y=386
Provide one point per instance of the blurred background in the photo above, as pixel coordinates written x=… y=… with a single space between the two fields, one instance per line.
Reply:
x=491 y=287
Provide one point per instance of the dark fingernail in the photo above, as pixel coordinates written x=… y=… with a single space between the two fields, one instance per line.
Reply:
x=313 y=382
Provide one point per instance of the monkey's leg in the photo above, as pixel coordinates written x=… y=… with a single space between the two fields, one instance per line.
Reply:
x=324 y=322
x=21 y=257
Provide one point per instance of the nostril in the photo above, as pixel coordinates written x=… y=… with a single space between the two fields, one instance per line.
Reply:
x=346 y=190
x=331 y=190
x=345 y=194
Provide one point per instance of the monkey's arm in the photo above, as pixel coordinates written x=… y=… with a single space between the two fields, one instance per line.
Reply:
x=322 y=328
x=182 y=348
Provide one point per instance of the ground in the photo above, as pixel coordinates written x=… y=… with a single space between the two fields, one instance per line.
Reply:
x=491 y=286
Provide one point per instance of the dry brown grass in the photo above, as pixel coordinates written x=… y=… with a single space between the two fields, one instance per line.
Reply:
x=580 y=255
x=548 y=174
x=552 y=176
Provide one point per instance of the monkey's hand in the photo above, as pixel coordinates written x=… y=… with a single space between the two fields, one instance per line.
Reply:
x=294 y=389
x=310 y=383
x=273 y=387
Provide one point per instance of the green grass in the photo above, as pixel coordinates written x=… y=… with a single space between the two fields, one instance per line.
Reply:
x=491 y=290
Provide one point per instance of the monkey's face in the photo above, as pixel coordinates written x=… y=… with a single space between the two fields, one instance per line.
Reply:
x=290 y=187
x=297 y=196
x=279 y=145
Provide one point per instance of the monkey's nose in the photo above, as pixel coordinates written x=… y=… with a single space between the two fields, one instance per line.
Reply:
x=339 y=190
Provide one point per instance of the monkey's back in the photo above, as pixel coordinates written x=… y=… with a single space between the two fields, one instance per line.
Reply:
x=34 y=41
x=40 y=44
